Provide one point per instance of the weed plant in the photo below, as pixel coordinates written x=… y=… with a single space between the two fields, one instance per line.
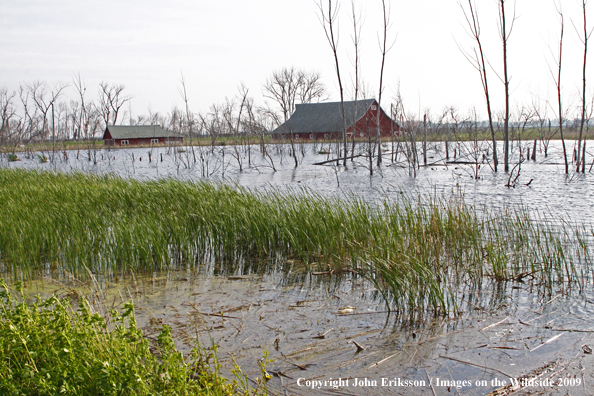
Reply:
x=419 y=252
x=48 y=348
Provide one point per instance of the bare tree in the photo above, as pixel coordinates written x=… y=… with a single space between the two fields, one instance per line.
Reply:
x=29 y=125
x=584 y=40
x=86 y=111
x=384 y=49
x=86 y=119
x=310 y=87
x=540 y=113
x=190 y=121
x=356 y=43
x=557 y=80
x=477 y=60
x=213 y=123
x=505 y=34
x=289 y=86
x=111 y=100
x=409 y=128
x=328 y=20
x=234 y=122
x=44 y=102
x=7 y=112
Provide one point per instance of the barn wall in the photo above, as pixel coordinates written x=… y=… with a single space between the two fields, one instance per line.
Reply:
x=144 y=141
x=368 y=125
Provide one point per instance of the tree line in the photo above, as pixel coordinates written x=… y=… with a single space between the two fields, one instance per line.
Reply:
x=40 y=111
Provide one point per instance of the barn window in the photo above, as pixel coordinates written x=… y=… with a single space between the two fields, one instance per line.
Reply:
x=373 y=107
x=362 y=134
x=125 y=142
x=154 y=141
x=326 y=136
x=297 y=136
x=310 y=136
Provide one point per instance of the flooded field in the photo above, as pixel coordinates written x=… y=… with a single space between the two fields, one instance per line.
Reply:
x=541 y=185
x=330 y=333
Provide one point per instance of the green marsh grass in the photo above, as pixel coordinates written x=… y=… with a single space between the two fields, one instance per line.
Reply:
x=418 y=251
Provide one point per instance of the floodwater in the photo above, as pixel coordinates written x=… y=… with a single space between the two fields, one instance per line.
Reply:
x=324 y=327
x=330 y=333
x=541 y=185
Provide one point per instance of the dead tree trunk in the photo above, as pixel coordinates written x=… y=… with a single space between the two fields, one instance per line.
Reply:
x=558 y=86
x=583 y=118
x=328 y=20
x=504 y=39
x=479 y=63
x=356 y=40
x=386 y=22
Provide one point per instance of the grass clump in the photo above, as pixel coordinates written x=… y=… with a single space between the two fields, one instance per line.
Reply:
x=48 y=348
x=419 y=252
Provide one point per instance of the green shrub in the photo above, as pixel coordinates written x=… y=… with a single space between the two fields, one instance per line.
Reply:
x=48 y=348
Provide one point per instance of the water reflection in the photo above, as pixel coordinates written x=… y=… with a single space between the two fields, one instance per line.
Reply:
x=299 y=322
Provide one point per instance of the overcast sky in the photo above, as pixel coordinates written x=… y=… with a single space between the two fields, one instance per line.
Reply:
x=218 y=45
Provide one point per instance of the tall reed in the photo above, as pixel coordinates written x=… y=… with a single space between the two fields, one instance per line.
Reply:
x=419 y=251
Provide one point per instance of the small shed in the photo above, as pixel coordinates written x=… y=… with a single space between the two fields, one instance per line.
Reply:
x=317 y=121
x=123 y=135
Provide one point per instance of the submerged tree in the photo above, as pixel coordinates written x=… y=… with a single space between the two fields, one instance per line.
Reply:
x=328 y=20
x=7 y=112
x=584 y=40
x=356 y=44
x=381 y=81
x=505 y=34
x=477 y=60
x=557 y=80
x=384 y=49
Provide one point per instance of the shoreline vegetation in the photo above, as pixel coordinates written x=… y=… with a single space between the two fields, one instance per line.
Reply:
x=424 y=254
x=53 y=346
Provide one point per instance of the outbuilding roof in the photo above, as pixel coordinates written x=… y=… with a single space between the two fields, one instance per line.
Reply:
x=138 y=132
x=324 y=117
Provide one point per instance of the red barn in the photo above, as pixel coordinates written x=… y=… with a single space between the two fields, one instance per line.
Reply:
x=316 y=121
x=122 y=135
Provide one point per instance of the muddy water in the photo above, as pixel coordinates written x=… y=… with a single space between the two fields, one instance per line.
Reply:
x=299 y=318
x=326 y=327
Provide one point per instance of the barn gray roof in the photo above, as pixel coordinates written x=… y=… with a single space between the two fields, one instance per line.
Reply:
x=324 y=117
x=139 y=132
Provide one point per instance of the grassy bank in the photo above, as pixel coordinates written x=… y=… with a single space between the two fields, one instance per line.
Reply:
x=419 y=252
x=50 y=348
